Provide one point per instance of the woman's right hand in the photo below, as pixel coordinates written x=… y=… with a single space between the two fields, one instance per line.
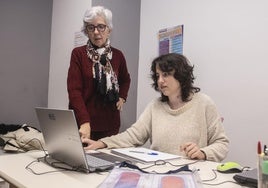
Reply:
x=92 y=144
x=84 y=130
x=193 y=151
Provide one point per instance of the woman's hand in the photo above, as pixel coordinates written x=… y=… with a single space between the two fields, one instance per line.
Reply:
x=84 y=130
x=92 y=144
x=193 y=151
x=120 y=104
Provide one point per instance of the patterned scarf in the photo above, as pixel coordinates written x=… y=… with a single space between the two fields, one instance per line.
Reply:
x=103 y=74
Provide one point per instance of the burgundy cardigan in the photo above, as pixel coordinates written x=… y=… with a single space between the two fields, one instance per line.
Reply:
x=88 y=107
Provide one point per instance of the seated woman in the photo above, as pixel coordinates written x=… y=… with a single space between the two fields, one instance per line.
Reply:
x=183 y=121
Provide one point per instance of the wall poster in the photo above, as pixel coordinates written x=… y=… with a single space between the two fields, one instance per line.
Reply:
x=171 y=40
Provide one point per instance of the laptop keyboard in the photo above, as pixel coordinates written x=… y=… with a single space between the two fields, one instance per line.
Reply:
x=108 y=157
x=97 y=162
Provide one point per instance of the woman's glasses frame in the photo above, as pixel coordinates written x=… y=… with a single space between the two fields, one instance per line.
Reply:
x=100 y=27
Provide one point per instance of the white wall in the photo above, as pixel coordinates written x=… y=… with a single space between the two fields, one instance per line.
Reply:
x=66 y=20
x=24 y=50
x=227 y=43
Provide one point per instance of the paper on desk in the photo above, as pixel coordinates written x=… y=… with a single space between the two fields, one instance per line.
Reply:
x=121 y=177
x=144 y=154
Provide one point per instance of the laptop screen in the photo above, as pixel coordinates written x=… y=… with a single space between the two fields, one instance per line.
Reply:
x=61 y=136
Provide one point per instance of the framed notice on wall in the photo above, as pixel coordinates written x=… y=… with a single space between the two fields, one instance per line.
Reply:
x=171 y=40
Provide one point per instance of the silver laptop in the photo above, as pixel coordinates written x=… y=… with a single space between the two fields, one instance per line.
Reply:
x=63 y=142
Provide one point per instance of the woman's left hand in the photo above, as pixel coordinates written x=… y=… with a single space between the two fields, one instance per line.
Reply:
x=120 y=104
x=193 y=151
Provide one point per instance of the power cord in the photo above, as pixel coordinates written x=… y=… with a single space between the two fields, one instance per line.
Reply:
x=183 y=167
x=54 y=164
x=60 y=166
x=23 y=148
x=215 y=177
x=163 y=162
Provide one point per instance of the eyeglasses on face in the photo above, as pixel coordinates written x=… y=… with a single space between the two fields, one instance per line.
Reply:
x=100 y=27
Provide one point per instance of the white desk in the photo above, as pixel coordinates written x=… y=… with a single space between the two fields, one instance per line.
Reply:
x=12 y=169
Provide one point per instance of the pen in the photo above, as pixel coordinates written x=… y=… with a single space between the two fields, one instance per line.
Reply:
x=142 y=152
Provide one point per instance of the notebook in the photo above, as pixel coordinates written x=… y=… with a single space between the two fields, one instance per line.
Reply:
x=247 y=178
x=63 y=142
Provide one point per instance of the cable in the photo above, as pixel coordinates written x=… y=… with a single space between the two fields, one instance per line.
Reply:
x=61 y=166
x=54 y=164
x=215 y=177
x=163 y=162
x=133 y=166
x=28 y=167
x=184 y=167
x=23 y=148
x=215 y=184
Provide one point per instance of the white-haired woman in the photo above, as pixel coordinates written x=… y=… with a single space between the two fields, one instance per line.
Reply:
x=98 y=79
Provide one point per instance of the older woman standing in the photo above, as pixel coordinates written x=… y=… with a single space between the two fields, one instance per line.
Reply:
x=98 y=79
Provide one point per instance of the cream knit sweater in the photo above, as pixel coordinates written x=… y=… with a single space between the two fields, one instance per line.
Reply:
x=197 y=121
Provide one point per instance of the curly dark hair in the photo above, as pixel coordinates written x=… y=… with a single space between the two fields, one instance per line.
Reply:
x=183 y=72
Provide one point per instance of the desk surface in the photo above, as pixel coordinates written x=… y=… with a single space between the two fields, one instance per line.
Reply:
x=12 y=169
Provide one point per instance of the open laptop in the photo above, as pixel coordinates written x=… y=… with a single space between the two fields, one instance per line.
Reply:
x=63 y=142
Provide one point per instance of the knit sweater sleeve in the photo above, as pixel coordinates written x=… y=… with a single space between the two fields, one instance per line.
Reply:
x=136 y=135
x=217 y=146
x=75 y=85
